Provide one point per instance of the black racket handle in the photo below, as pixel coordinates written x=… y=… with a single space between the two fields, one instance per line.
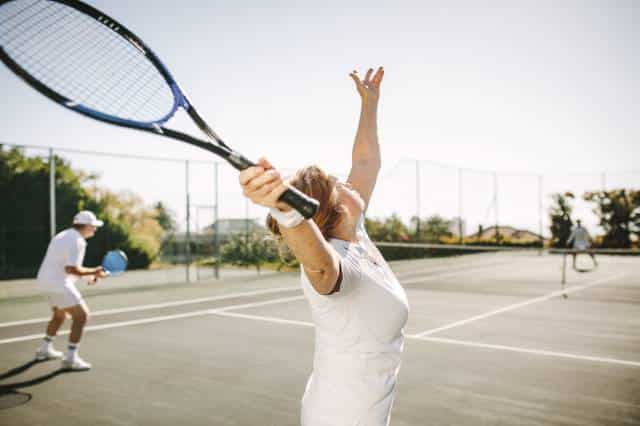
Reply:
x=304 y=204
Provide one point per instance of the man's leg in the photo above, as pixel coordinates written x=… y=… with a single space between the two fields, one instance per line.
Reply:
x=593 y=257
x=46 y=350
x=56 y=321
x=79 y=316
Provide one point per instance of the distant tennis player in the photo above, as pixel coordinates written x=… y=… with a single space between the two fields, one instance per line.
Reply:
x=60 y=269
x=358 y=307
x=581 y=242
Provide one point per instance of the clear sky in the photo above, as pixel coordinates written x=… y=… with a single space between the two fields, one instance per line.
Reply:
x=542 y=87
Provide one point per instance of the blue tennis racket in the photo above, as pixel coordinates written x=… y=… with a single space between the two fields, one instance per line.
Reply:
x=86 y=61
x=115 y=262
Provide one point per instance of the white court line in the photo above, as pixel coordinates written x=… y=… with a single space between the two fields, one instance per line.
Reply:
x=265 y=318
x=161 y=305
x=455 y=342
x=517 y=305
x=528 y=351
x=157 y=319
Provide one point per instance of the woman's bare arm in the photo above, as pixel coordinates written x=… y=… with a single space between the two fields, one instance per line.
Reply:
x=263 y=185
x=365 y=156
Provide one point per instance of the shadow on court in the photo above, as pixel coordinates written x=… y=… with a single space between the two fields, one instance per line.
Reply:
x=10 y=397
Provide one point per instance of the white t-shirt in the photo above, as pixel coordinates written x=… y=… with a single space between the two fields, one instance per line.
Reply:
x=359 y=340
x=580 y=238
x=65 y=249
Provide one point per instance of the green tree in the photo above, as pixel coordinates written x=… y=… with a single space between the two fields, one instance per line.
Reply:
x=560 y=215
x=390 y=229
x=431 y=229
x=252 y=250
x=165 y=217
x=618 y=212
x=24 y=216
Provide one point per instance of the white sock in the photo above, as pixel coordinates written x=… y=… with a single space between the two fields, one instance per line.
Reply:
x=47 y=343
x=72 y=350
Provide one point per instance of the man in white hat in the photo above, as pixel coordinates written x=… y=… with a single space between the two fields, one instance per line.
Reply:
x=60 y=269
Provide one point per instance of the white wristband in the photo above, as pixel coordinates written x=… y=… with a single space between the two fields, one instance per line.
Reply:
x=289 y=219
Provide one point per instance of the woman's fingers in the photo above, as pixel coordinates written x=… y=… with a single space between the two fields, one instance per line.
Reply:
x=264 y=163
x=355 y=78
x=267 y=177
x=377 y=78
x=249 y=173
x=367 y=77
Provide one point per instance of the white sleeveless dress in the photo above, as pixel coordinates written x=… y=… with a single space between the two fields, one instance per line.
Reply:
x=359 y=340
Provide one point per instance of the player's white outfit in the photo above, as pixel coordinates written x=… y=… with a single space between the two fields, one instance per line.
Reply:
x=359 y=340
x=580 y=238
x=65 y=249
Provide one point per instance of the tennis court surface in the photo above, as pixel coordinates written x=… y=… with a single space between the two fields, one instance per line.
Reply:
x=490 y=341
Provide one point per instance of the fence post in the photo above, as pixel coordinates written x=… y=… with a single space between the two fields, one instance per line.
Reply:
x=52 y=192
x=540 y=213
x=418 y=199
x=188 y=233
x=216 y=240
x=460 y=225
x=495 y=205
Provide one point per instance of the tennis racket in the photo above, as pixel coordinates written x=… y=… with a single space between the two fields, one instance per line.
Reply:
x=86 y=61
x=115 y=262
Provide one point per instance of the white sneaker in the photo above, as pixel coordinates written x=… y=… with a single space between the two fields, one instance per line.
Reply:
x=43 y=354
x=75 y=364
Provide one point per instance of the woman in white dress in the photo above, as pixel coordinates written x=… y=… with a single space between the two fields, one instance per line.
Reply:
x=358 y=307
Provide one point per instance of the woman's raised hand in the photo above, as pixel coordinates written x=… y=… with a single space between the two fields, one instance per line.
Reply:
x=369 y=88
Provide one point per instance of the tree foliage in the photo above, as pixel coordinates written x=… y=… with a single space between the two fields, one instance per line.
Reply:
x=560 y=215
x=431 y=229
x=618 y=212
x=24 y=218
x=389 y=229
x=250 y=250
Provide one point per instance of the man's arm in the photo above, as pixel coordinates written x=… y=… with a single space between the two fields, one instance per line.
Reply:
x=82 y=271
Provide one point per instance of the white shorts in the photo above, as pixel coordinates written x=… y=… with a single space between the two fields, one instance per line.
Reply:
x=581 y=246
x=66 y=298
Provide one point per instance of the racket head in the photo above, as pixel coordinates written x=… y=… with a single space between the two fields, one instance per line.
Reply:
x=115 y=262
x=87 y=61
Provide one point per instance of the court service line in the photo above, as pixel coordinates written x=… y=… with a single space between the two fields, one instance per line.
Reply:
x=158 y=318
x=517 y=305
x=528 y=351
x=455 y=342
x=161 y=305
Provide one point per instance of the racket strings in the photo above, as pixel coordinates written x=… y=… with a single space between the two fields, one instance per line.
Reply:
x=83 y=60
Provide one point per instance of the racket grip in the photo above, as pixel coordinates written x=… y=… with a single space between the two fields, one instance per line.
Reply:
x=306 y=205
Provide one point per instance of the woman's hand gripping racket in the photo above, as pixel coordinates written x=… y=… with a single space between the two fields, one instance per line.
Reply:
x=88 y=62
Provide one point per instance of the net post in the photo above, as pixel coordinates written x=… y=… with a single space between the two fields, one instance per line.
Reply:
x=188 y=220
x=216 y=241
x=564 y=269
x=52 y=193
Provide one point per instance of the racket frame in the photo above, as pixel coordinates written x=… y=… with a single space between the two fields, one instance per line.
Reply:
x=306 y=205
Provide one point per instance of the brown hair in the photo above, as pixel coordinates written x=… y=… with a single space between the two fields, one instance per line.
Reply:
x=316 y=183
